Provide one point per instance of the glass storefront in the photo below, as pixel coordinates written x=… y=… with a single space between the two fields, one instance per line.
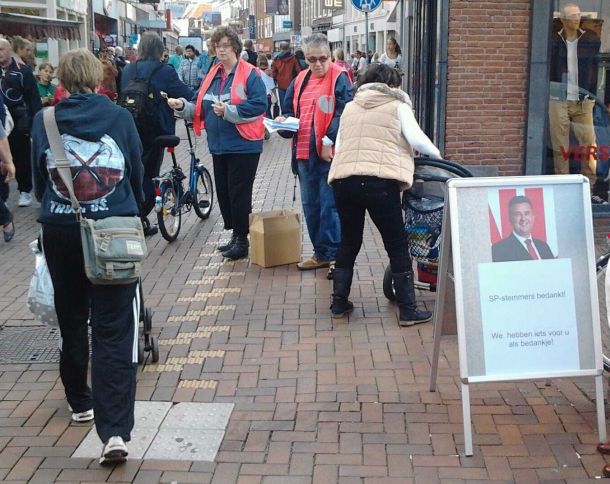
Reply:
x=578 y=133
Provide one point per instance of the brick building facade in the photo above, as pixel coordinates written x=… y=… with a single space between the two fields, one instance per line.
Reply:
x=487 y=81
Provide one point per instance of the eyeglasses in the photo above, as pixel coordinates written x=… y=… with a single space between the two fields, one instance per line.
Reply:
x=313 y=60
x=223 y=46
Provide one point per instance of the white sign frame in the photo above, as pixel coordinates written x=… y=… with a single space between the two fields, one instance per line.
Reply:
x=449 y=318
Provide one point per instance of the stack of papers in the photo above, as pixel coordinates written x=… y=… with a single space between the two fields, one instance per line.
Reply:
x=290 y=124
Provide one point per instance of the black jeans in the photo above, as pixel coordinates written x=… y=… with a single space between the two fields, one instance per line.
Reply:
x=234 y=175
x=21 y=148
x=152 y=158
x=354 y=196
x=114 y=315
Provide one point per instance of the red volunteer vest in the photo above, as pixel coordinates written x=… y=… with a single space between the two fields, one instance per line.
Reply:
x=325 y=107
x=252 y=131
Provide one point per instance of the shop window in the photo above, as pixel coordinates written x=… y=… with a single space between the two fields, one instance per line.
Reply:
x=578 y=135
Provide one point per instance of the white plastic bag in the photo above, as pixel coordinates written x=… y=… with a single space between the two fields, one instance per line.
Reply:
x=9 y=124
x=41 y=295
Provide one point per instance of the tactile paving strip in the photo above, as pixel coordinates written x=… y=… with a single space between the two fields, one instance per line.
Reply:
x=185 y=431
x=34 y=344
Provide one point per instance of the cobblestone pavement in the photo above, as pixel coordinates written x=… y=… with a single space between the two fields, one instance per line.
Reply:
x=316 y=400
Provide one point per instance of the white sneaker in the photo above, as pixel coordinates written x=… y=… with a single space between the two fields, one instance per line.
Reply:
x=114 y=452
x=25 y=199
x=86 y=416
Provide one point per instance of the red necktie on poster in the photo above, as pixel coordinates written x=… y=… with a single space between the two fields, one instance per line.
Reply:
x=531 y=250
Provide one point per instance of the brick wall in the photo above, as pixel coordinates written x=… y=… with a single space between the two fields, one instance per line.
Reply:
x=487 y=83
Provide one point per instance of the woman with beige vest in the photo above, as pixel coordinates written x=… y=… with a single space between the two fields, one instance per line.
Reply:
x=373 y=164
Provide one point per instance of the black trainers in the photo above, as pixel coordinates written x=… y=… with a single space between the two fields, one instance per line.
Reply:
x=597 y=200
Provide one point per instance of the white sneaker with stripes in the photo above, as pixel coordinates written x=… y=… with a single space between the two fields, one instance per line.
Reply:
x=80 y=417
x=114 y=452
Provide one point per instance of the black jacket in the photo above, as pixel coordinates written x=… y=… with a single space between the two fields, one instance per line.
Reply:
x=510 y=249
x=588 y=63
x=252 y=57
x=164 y=79
x=104 y=150
x=18 y=87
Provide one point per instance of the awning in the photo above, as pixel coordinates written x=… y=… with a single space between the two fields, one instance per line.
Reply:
x=34 y=27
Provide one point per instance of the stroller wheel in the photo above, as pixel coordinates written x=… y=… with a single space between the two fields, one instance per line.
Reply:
x=388 y=284
x=140 y=351
x=154 y=347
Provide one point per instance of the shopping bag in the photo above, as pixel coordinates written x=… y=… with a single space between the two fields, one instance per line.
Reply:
x=41 y=295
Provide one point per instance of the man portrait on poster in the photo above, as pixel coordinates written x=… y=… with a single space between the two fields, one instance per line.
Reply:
x=520 y=245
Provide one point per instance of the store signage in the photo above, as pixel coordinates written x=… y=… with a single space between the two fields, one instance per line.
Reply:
x=295 y=39
x=286 y=24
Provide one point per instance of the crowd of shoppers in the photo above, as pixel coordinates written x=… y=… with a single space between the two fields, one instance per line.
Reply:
x=226 y=91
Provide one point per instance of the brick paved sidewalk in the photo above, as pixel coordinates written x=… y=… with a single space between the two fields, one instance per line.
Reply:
x=316 y=400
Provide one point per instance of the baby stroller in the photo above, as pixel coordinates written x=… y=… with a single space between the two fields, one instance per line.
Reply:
x=146 y=342
x=423 y=205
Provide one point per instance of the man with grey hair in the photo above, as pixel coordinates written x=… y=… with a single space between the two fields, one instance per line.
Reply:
x=284 y=69
x=317 y=97
x=20 y=92
x=159 y=119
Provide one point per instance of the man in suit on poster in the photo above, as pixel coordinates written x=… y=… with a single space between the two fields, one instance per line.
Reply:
x=520 y=245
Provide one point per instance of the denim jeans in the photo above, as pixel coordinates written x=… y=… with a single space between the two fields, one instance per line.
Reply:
x=381 y=198
x=319 y=208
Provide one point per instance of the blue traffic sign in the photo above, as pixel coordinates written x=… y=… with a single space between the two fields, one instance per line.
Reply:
x=366 y=5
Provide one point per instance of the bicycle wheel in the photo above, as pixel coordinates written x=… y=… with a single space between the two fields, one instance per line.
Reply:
x=602 y=266
x=169 y=217
x=204 y=197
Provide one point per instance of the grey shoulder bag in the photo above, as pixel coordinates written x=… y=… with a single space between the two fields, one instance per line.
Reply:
x=113 y=247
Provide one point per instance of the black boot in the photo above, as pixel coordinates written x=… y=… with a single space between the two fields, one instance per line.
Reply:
x=228 y=245
x=148 y=229
x=342 y=283
x=239 y=249
x=405 y=298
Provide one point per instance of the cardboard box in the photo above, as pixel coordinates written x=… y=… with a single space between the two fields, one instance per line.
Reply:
x=275 y=238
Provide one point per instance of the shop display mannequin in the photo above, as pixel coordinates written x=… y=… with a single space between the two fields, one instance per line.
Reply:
x=574 y=66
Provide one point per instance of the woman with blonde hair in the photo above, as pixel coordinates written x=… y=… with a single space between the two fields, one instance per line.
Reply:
x=102 y=145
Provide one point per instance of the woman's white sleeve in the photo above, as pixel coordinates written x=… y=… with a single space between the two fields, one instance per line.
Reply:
x=413 y=133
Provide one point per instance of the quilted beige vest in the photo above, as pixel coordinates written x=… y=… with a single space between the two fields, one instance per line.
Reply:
x=371 y=142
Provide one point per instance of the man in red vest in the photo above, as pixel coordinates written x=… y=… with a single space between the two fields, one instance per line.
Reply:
x=317 y=97
x=284 y=69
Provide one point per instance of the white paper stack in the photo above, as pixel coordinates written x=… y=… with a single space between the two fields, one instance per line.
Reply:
x=290 y=124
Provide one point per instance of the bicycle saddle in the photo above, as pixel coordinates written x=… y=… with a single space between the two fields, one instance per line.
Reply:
x=167 y=141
